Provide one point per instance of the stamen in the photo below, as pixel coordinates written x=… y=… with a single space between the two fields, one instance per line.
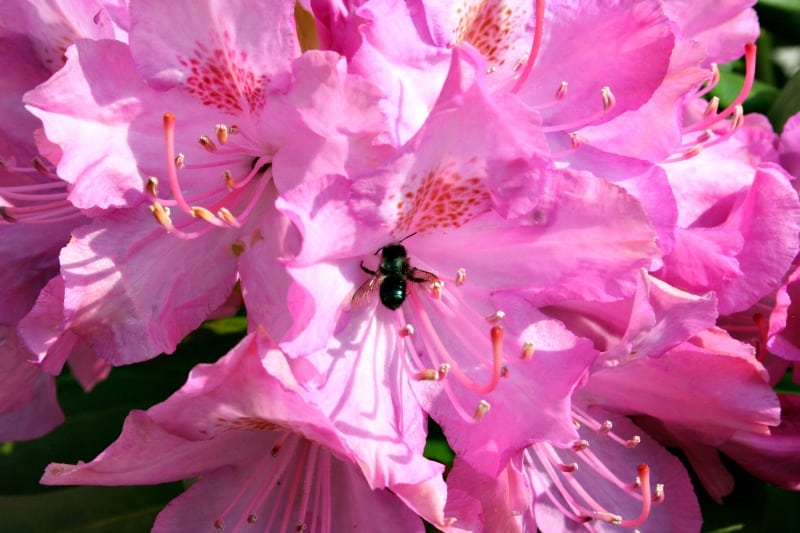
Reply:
x=634 y=441
x=443 y=370
x=217 y=215
x=605 y=516
x=225 y=215
x=496 y=334
x=264 y=478
x=428 y=374
x=480 y=410
x=222 y=133
x=605 y=428
x=152 y=187
x=519 y=63
x=711 y=82
x=436 y=289
x=658 y=497
x=205 y=214
x=712 y=107
x=162 y=216
x=609 y=100
x=311 y=464
x=580 y=445
x=207 y=143
x=575 y=501
x=693 y=151
x=40 y=166
x=406 y=330
x=738 y=118
x=705 y=136
x=562 y=90
x=227 y=177
x=568 y=468
x=496 y=317
x=461 y=276
x=527 y=351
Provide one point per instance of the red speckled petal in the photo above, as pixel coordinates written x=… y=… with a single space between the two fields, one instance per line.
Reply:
x=223 y=52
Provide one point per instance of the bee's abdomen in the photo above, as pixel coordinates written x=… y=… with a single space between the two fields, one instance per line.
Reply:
x=393 y=292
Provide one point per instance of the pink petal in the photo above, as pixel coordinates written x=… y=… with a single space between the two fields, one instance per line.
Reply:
x=695 y=373
x=790 y=146
x=29 y=259
x=541 y=385
x=134 y=291
x=91 y=102
x=772 y=457
x=722 y=27
x=28 y=404
x=591 y=47
x=679 y=510
x=202 y=45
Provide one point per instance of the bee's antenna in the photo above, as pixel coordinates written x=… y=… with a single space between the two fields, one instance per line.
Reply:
x=406 y=237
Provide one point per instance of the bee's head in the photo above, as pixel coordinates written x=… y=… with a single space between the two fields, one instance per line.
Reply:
x=393 y=251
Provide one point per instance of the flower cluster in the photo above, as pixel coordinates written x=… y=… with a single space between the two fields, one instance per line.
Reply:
x=526 y=221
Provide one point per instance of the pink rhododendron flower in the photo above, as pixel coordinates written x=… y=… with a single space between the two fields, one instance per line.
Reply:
x=613 y=476
x=34 y=202
x=738 y=219
x=656 y=348
x=37 y=216
x=395 y=46
x=461 y=194
x=269 y=129
x=525 y=221
x=265 y=451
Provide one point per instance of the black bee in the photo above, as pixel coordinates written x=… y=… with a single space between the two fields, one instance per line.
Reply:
x=392 y=277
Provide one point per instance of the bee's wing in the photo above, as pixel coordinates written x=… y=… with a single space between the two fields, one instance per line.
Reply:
x=420 y=276
x=366 y=291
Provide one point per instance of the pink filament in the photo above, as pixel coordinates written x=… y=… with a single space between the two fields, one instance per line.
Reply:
x=644 y=476
x=172 y=171
x=535 y=45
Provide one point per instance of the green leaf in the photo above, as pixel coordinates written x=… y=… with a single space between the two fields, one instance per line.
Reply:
x=759 y=100
x=87 y=509
x=786 y=5
x=786 y=104
x=93 y=421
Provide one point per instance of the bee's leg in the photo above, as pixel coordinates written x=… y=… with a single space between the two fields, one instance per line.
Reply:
x=365 y=269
